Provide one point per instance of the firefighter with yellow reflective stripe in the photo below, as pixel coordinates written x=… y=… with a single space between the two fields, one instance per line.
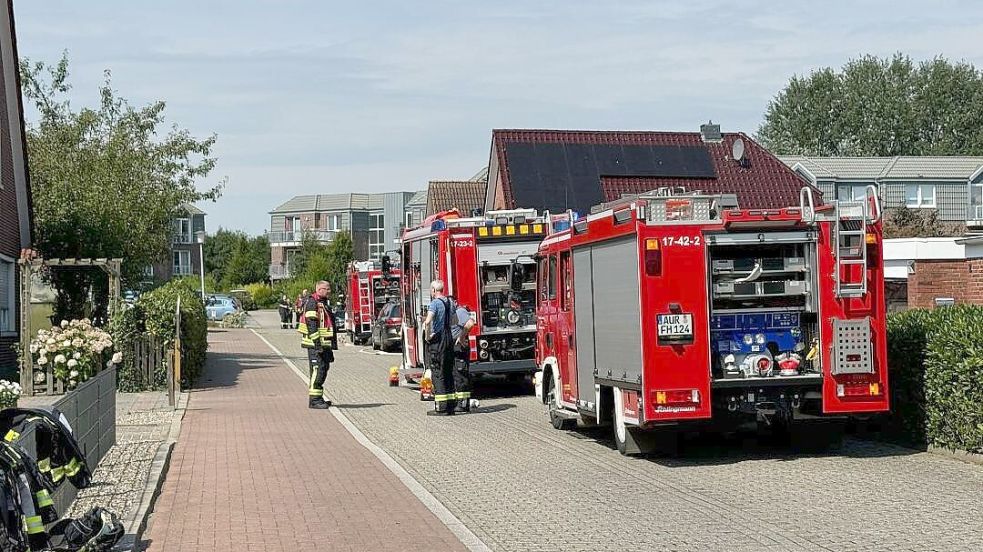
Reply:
x=317 y=326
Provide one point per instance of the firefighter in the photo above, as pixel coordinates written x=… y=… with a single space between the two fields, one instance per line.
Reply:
x=461 y=324
x=437 y=326
x=299 y=307
x=317 y=326
x=286 y=312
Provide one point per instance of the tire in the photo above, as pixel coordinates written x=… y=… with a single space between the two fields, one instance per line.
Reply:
x=557 y=421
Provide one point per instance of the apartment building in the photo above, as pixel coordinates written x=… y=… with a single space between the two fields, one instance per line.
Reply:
x=184 y=258
x=375 y=222
x=950 y=186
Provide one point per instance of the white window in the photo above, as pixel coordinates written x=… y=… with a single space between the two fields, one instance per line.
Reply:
x=182 y=230
x=332 y=222
x=919 y=195
x=182 y=263
x=975 y=202
x=377 y=235
x=408 y=221
x=851 y=192
x=7 y=295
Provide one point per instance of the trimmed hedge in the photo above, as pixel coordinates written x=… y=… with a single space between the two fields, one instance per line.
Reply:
x=158 y=308
x=936 y=375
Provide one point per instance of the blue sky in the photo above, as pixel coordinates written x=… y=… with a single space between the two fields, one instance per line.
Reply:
x=311 y=96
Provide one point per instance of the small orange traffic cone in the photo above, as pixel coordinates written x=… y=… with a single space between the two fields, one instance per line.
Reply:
x=394 y=376
x=426 y=387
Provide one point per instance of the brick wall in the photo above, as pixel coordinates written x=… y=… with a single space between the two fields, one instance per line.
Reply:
x=961 y=280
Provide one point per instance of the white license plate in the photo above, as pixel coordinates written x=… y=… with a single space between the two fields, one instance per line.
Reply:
x=674 y=326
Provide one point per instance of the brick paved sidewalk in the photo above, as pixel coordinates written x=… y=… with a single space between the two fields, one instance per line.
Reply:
x=255 y=469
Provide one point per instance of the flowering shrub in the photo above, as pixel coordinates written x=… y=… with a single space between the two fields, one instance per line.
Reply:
x=74 y=351
x=9 y=393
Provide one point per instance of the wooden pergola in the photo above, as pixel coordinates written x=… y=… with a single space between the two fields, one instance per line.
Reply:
x=30 y=265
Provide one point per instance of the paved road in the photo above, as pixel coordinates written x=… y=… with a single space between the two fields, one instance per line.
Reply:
x=255 y=469
x=521 y=485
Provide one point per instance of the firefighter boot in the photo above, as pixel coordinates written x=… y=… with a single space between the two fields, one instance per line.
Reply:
x=318 y=403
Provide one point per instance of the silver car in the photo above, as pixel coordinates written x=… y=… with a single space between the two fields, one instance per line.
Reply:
x=217 y=307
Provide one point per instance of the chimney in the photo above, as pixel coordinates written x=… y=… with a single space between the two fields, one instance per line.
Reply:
x=711 y=132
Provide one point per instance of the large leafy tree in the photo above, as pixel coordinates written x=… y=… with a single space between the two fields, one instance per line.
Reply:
x=234 y=259
x=249 y=262
x=106 y=180
x=879 y=107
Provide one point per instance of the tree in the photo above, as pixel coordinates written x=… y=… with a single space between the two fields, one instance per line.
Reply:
x=80 y=158
x=249 y=262
x=879 y=107
x=218 y=250
x=341 y=252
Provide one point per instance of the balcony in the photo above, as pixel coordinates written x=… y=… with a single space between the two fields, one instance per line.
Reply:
x=182 y=238
x=279 y=271
x=974 y=216
x=294 y=238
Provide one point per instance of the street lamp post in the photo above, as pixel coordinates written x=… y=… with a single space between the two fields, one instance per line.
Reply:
x=200 y=238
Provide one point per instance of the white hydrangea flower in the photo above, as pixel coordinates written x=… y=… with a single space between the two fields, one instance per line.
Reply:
x=42 y=361
x=60 y=359
x=39 y=377
x=117 y=357
x=64 y=323
x=73 y=374
x=34 y=348
x=50 y=341
x=72 y=363
x=76 y=355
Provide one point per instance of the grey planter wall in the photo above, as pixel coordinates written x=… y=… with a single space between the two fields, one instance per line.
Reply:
x=91 y=411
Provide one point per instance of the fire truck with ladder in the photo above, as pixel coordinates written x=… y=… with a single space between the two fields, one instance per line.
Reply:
x=370 y=286
x=486 y=263
x=662 y=311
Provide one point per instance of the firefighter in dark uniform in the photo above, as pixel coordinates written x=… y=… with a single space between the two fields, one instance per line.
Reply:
x=440 y=348
x=286 y=312
x=317 y=326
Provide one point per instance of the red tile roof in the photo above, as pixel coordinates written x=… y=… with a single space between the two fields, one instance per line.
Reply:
x=463 y=195
x=764 y=181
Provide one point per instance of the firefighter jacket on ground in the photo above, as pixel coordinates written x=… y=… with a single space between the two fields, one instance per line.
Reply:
x=59 y=455
x=317 y=326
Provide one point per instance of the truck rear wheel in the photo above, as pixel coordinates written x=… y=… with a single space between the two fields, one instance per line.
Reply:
x=553 y=405
x=618 y=422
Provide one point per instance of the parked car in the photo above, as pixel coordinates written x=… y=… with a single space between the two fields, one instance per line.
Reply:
x=244 y=299
x=130 y=296
x=218 y=307
x=387 y=329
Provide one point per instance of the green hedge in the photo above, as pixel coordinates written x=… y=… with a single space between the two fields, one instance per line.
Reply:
x=157 y=308
x=935 y=360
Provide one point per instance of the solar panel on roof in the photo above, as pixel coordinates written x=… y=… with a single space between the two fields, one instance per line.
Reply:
x=568 y=176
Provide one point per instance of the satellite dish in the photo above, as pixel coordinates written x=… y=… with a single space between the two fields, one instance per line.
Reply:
x=737 y=150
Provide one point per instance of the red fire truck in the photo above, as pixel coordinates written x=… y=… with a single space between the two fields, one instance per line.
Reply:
x=370 y=286
x=487 y=264
x=662 y=310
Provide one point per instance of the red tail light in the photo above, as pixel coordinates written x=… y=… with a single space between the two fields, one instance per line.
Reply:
x=653 y=257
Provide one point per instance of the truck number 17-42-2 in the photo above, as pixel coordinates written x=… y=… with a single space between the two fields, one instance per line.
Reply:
x=684 y=241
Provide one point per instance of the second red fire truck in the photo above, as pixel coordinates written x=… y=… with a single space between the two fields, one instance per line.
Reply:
x=370 y=286
x=486 y=263
x=663 y=311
